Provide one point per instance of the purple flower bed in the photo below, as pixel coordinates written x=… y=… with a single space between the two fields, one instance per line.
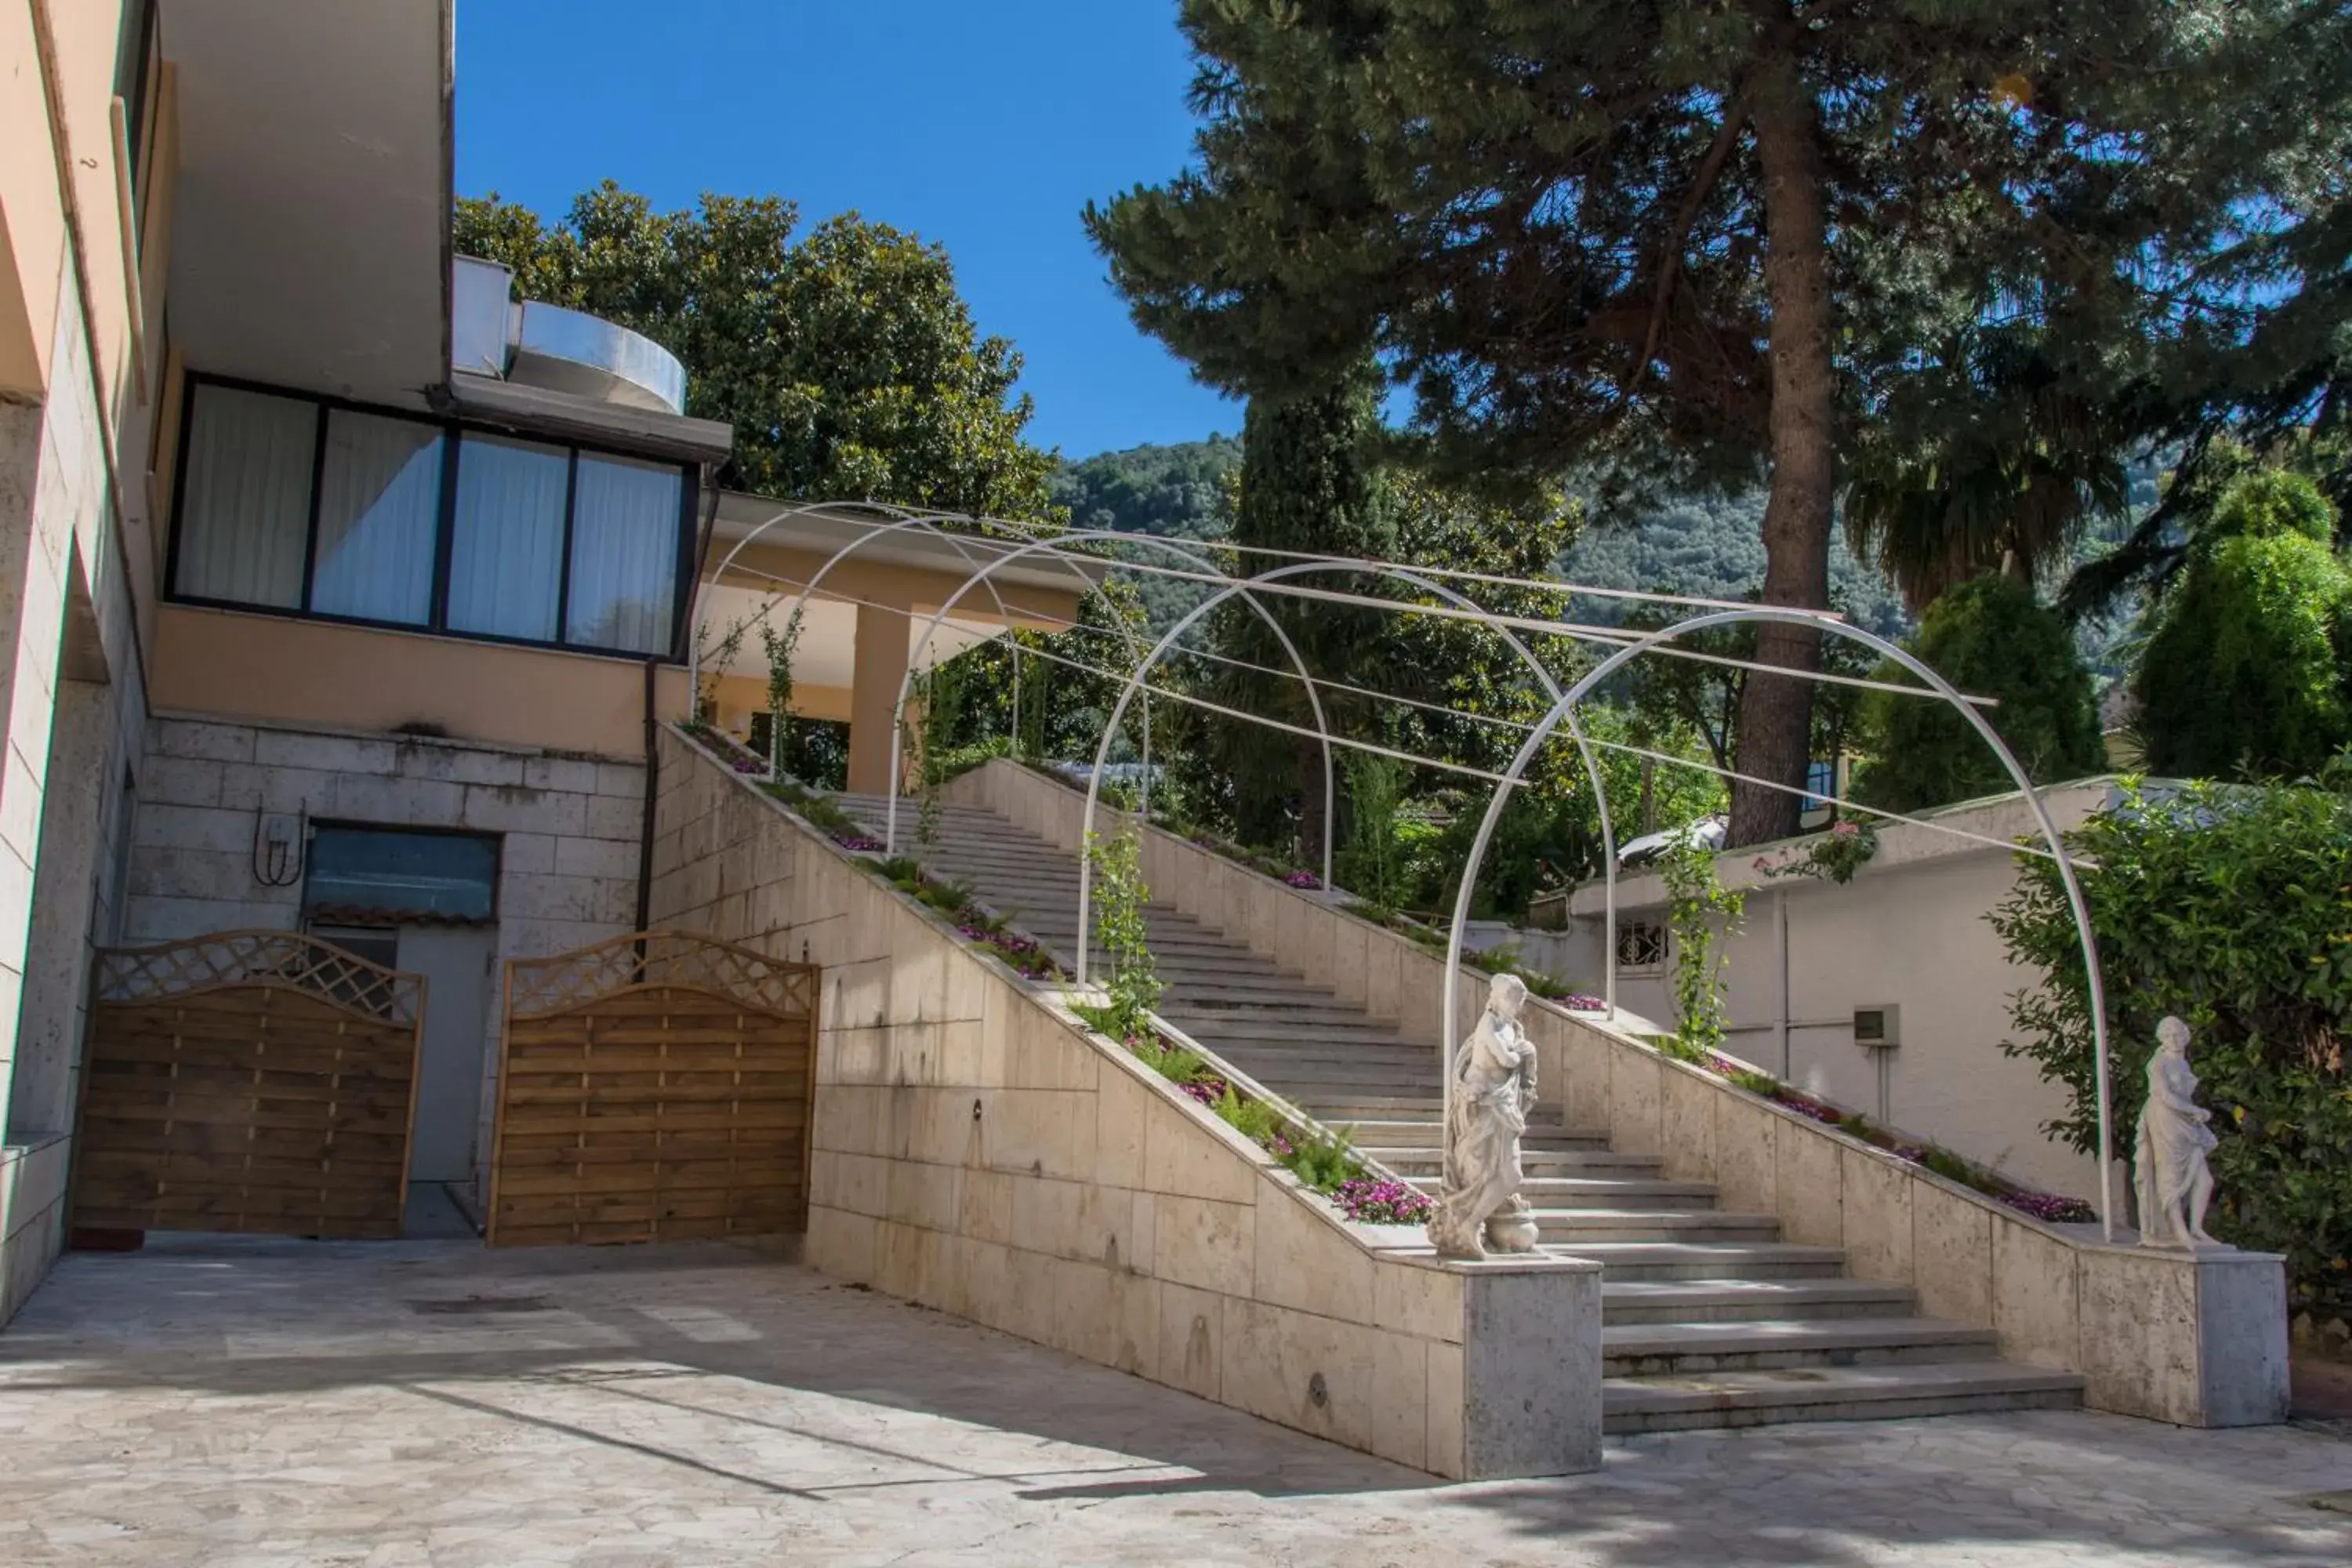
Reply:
x=1031 y=961
x=1307 y=880
x=2049 y=1206
x=858 y=841
x=1578 y=1002
x=1207 y=1090
x=1370 y=1201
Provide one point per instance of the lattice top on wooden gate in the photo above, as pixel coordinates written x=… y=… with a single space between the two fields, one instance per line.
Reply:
x=662 y=958
x=291 y=959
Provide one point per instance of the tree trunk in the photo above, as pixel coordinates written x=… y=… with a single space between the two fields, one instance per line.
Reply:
x=1776 y=711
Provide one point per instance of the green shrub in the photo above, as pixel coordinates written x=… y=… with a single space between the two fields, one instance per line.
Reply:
x=1696 y=900
x=2231 y=908
x=1133 y=987
x=1990 y=638
x=2246 y=669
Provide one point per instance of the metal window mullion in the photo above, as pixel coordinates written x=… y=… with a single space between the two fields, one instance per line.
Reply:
x=563 y=567
x=445 y=530
x=318 y=491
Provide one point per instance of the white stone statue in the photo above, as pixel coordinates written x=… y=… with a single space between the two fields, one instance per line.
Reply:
x=2168 y=1168
x=1494 y=1089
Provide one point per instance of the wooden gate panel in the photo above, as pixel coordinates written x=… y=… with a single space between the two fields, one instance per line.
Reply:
x=653 y=1088
x=253 y=1081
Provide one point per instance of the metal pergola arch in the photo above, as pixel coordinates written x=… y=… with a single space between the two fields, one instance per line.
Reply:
x=1055 y=545
x=903 y=520
x=1376 y=569
x=1566 y=706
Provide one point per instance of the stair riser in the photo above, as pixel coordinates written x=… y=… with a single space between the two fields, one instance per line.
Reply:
x=1897 y=1409
x=1616 y=1198
x=1613 y=1315
x=1827 y=1268
x=1697 y=1363
x=1567 y=1233
x=1414 y=1164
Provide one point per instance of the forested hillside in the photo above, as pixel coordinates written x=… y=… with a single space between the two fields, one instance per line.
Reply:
x=1708 y=548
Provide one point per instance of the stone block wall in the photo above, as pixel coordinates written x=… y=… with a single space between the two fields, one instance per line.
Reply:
x=72 y=701
x=567 y=828
x=2199 y=1341
x=978 y=1151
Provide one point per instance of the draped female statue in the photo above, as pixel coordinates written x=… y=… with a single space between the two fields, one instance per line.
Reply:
x=1494 y=1087
x=2169 y=1177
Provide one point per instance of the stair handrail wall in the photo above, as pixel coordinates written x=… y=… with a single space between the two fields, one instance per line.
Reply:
x=1257 y=1090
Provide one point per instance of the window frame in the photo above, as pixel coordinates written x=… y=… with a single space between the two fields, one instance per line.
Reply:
x=453 y=432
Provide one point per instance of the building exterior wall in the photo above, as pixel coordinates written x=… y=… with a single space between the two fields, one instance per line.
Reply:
x=279 y=669
x=71 y=699
x=1909 y=931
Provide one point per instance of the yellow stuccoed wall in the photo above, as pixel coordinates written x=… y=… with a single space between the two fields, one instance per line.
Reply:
x=976 y=1151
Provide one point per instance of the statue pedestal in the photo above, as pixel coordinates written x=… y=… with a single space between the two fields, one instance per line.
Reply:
x=2194 y=1336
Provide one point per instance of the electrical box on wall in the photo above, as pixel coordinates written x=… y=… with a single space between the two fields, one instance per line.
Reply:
x=1878 y=1028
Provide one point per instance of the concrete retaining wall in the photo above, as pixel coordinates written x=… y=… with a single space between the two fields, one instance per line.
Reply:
x=2200 y=1341
x=979 y=1151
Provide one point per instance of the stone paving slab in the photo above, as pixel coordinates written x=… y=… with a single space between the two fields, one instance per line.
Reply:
x=281 y=1404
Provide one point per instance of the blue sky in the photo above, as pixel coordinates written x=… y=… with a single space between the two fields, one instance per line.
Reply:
x=985 y=126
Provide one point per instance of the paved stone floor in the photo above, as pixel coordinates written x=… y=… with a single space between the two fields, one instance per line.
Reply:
x=260 y=1403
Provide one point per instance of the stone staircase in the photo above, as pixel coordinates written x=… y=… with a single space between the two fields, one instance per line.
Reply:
x=1710 y=1320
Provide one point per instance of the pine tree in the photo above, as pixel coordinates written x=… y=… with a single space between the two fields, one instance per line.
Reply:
x=1309 y=484
x=1700 y=242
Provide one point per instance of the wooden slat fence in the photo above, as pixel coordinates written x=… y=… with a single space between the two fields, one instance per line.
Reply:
x=253 y=1081
x=653 y=1088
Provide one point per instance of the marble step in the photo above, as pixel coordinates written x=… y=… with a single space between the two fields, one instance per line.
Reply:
x=1424 y=1133
x=1765 y=1397
x=1424 y=1161
x=1626 y=1302
x=1688 y=1259
x=1576 y=1227
x=1598 y=1192
x=1669 y=1349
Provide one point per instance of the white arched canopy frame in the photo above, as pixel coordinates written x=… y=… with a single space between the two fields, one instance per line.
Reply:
x=1055 y=545
x=1564 y=709
x=1167 y=642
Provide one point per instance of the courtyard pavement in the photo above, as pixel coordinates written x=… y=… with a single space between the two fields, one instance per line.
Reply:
x=273 y=1404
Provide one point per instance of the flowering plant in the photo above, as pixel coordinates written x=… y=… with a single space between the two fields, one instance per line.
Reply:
x=1369 y=1200
x=1836 y=856
x=1579 y=1002
x=860 y=842
x=1307 y=880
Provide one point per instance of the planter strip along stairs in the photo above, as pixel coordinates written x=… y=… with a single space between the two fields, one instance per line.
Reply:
x=1709 y=1319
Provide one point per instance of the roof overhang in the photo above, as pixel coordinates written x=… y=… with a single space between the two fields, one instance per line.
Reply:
x=823 y=529
x=545 y=411
x=310 y=232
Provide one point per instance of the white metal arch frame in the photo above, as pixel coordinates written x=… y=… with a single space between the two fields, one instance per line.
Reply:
x=904 y=520
x=1575 y=694
x=1374 y=569
x=1056 y=545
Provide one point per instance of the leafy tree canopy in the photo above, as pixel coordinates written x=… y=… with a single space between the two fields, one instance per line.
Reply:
x=847 y=363
x=2246 y=669
x=1990 y=637
x=1678 y=239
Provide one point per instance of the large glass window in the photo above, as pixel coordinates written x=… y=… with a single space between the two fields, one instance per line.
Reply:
x=245 y=513
x=506 y=551
x=356 y=874
x=289 y=504
x=379 y=509
x=624 y=523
